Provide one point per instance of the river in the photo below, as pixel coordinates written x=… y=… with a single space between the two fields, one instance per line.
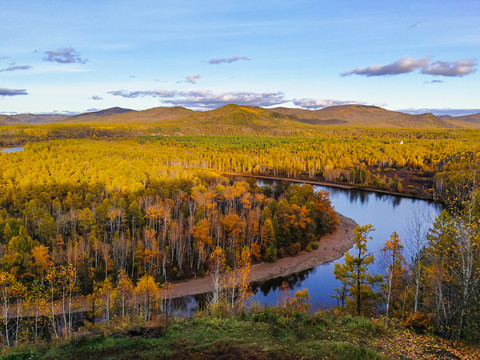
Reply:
x=10 y=150
x=387 y=213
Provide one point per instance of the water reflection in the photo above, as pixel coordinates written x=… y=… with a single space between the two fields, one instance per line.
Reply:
x=387 y=213
x=276 y=284
x=183 y=306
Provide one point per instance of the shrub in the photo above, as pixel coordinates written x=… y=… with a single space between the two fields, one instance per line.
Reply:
x=270 y=254
x=293 y=249
x=419 y=322
x=312 y=245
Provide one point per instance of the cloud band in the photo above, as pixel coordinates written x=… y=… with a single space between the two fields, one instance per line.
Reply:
x=410 y=64
x=206 y=98
x=12 y=92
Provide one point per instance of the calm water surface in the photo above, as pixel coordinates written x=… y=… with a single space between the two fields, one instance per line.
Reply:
x=387 y=213
x=10 y=150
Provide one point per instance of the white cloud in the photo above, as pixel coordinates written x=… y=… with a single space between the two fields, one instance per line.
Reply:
x=12 y=92
x=228 y=60
x=321 y=103
x=405 y=65
x=64 y=56
x=207 y=99
x=457 y=68
x=193 y=78
x=16 y=68
x=409 y=64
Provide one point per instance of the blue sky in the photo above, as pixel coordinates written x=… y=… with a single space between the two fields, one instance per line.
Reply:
x=74 y=56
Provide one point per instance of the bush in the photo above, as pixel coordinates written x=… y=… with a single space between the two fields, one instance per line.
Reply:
x=270 y=254
x=419 y=322
x=293 y=249
x=312 y=245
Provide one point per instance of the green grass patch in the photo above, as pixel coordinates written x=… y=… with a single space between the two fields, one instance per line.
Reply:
x=264 y=333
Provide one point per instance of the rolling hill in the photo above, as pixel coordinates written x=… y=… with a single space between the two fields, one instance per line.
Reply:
x=95 y=115
x=247 y=120
x=9 y=120
x=39 y=118
x=126 y=116
x=229 y=119
x=252 y=120
x=364 y=116
x=149 y=116
x=466 y=121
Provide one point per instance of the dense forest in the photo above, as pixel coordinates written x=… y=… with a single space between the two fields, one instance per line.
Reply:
x=75 y=218
x=423 y=163
x=117 y=213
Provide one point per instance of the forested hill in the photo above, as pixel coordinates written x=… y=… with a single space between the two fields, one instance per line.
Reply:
x=365 y=116
x=250 y=119
x=257 y=118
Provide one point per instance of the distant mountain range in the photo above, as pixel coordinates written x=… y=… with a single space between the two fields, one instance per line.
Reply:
x=95 y=115
x=9 y=120
x=252 y=119
x=364 y=116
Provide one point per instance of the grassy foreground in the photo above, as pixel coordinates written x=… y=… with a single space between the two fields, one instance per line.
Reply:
x=271 y=333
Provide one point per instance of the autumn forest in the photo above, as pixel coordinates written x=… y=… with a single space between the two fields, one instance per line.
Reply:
x=116 y=215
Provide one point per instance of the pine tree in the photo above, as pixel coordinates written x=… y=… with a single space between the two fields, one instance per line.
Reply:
x=354 y=274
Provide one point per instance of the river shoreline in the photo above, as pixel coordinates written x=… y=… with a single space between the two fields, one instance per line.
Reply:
x=330 y=247
x=425 y=196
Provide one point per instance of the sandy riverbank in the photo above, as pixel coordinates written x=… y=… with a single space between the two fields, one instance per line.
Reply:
x=331 y=247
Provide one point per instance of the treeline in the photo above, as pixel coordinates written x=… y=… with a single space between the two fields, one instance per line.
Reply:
x=442 y=160
x=363 y=157
x=306 y=156
x=22 y=134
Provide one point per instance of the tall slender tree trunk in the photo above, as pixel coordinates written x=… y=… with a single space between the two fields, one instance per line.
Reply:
x=417 y=287
x=359 y=307
x=53 y=314
x=389 y=294
x=5 y=317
